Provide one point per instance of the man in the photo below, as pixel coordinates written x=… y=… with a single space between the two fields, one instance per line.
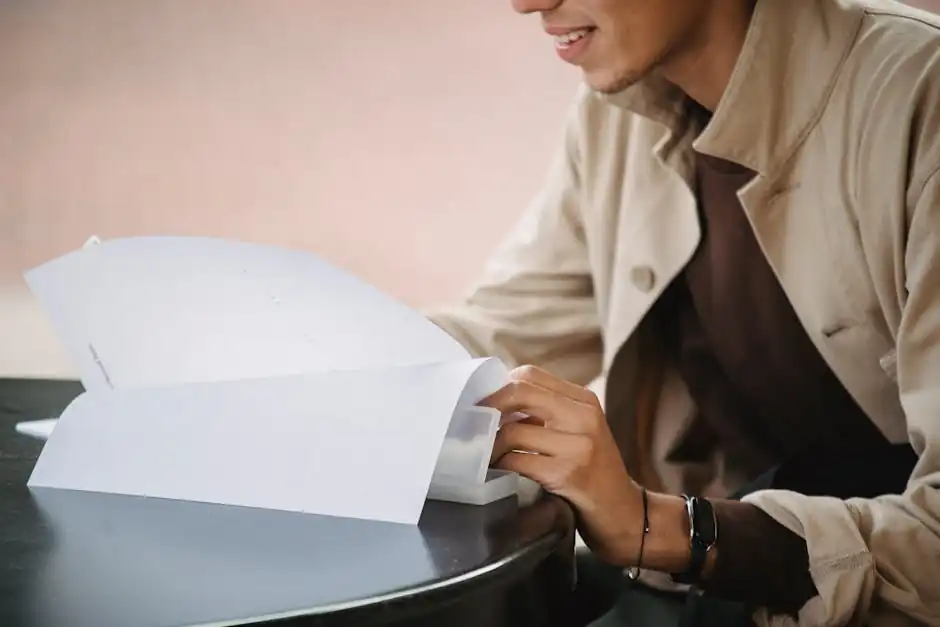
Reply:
x=741 y=234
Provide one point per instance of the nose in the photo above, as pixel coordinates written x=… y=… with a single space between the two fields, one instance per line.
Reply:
x=534 y=6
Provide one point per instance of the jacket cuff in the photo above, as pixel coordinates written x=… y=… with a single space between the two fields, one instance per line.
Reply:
x=759 y=561
x=839 y=561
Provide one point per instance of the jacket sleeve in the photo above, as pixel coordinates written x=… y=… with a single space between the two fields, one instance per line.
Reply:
x=534 y=303
x=881 y=557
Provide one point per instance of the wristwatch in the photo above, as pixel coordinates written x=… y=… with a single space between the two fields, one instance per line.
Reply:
x=703 y=535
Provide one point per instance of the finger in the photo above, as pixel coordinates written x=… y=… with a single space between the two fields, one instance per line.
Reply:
x=543 y=378
x=522 y=398
x=538 y=468
x=518 y=417
x=530 y=438
x=555 y=410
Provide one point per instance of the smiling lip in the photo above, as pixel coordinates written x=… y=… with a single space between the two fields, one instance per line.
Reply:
x=570 y=42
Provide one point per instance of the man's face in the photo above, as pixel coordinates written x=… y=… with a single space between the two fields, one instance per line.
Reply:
x=618 y=42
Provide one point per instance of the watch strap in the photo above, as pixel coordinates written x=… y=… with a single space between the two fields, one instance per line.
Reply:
x=703 y=534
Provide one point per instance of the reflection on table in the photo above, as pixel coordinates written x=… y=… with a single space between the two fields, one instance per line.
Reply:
x=81 y=558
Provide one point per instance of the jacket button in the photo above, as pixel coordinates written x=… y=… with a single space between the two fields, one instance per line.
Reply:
x=643 y=278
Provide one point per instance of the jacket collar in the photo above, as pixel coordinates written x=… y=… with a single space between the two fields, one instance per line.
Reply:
x=787 y=69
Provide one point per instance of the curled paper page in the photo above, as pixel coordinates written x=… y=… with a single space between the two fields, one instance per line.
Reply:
x=357 y=444
x=198 y=354
x=157 y=311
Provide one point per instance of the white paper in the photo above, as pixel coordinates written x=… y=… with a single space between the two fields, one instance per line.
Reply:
x=158 y=311
x=359 y=444
x=240 y=374
x=40 y=429
x=468 y=444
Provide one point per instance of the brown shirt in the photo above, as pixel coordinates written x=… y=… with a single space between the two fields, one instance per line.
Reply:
x=763 y=391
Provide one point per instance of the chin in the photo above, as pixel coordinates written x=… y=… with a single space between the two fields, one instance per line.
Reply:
x=607 y=81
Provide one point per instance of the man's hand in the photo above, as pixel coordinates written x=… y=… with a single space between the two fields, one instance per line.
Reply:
x=566 y=446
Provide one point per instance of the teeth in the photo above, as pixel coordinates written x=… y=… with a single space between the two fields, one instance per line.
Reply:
x=567 y=39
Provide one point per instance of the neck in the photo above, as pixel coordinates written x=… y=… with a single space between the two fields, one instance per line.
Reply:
x=702 y=67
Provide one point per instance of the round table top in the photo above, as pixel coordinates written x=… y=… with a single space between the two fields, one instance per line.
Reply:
x=81 y=558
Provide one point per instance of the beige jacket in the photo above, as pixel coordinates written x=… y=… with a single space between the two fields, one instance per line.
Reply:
x=836 y=105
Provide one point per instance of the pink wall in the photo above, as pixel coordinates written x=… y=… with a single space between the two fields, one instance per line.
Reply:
x=398 y=139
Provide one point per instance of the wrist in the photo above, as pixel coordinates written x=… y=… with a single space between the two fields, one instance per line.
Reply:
x=666 y=543
x=667 y=546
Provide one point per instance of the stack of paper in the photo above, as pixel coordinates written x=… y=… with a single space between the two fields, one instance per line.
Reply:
x=236 y=373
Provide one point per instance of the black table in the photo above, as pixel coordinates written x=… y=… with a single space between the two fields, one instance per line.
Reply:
x=84 y=559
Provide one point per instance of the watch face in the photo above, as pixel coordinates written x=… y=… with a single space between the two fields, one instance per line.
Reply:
x=702 y=523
